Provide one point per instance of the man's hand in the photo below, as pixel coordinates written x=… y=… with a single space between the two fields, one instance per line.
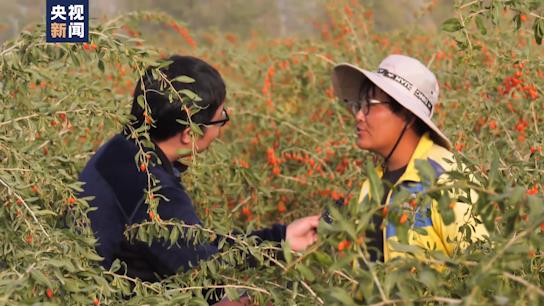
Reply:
x=301 y=233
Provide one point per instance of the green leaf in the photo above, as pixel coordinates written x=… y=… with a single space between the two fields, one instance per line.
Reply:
x=517 y=21
x=165 y=63
x=535 y=4
x=101 y=65
x=538 y=28
x=376 y=186
x=287 y=251
x=306 y=273
x=183 y=79
x=190 y=94
x=480 y=25
x=421 y=231
x=141 y=101
x=451 y=25
x=66 y=264
x=142 y=234
x=447 y=214
x=232 y=294
x=115 y=266
x=517 y=195
x=496 y=8
x=182 y=122
x=536 y=208
x=75 y=59
x=493 y=170
x=341 y=296
x=72 y=286
x=323 y=258
x=428 y=278
x=402 y=232
x=39 y=277
x=174 y=234
x=425 y=171
x=405 y=248
x=196 y=129
x=93 y=256
x=462 y=42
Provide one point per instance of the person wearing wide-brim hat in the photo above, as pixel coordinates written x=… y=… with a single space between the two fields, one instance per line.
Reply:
x=393 y=107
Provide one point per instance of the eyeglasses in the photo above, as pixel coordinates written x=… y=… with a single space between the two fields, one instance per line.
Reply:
x=363 y=105
x=220 y=122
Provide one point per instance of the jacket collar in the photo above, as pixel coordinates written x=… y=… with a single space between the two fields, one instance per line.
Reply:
x=421 y=152
x=176 y=168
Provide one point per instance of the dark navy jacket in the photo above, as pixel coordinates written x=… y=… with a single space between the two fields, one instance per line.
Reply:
x=113 y=178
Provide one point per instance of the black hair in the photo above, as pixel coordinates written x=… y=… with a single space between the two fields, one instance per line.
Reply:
x=419 y=126
x=164 y=104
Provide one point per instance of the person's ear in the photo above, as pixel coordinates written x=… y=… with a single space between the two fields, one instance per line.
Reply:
x=185 y=136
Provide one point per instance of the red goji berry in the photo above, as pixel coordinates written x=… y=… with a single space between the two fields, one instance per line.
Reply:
x=344 y=244
x=403 y=218
x=281 y=207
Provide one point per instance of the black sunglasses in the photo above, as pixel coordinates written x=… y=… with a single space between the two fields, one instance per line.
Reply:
x=220 y=122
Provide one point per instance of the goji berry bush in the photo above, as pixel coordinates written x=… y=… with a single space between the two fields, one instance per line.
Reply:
x=288 y=152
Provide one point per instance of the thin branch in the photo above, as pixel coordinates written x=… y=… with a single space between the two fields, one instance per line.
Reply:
x=300 y=258
x=477 y=13
x=79 y=110
x=354 y=33
x=524 y=282
x=534 y=118
x=282 y=122
x=222 y=287
x=513 y=240
x=374 y=277
x=209 y=231
x=135 y=281
x=9 y=49
x=488 y=264
x=321 y=56
x=468 y=4
x=465 y=31
x=292 y=178
x=535 y=15
x=20 y=200
x=15 y=169
x=312 y=292
x=342 y=274
x=422 y=300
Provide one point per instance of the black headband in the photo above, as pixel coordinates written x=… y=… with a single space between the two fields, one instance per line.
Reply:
x=406 y=84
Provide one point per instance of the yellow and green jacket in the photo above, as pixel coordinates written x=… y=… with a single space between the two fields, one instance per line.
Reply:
x=440 y=237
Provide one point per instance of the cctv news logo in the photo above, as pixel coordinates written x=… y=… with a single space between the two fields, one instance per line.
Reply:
x=67 y=21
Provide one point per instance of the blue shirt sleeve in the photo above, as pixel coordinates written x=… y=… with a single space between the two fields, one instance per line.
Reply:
x=183 y=254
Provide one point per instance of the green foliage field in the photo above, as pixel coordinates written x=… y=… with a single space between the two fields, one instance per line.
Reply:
x=288 y=152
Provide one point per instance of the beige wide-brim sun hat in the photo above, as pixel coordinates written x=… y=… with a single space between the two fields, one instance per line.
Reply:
x=403 y=78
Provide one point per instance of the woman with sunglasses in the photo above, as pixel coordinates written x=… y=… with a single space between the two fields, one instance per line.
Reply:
x=118 y=183
x=393 y=107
